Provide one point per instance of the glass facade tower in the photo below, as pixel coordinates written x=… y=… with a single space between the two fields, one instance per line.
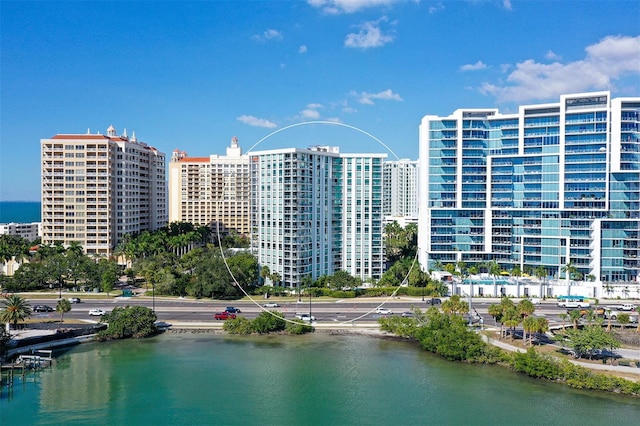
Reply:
x=552 y=185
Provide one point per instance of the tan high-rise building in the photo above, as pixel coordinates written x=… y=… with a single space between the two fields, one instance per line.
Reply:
x=97 y=188
x=211 y=191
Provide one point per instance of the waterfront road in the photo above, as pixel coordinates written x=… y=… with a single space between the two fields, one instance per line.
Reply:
x=344 y=310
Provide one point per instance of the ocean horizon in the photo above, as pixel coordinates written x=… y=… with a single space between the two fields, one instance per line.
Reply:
x=20 y=211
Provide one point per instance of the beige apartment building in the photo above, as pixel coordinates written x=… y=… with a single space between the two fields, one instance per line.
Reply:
x=97 y=188
x=211 y=191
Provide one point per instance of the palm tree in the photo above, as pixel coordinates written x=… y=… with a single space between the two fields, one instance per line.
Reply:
x=530 y=325
x=15 y=309
x=570 y=270
x=575 y=315
x=265 y=273
x=62 y=307
x=541 y=273
x=494 y=270
x=563 y=316
x=526 y=308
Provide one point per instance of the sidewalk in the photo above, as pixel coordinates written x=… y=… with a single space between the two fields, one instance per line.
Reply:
x=605 y=367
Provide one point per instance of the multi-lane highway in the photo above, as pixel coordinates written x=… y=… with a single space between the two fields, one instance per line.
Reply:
x=361 y=310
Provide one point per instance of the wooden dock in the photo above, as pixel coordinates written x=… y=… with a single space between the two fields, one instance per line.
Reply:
x=23 y=364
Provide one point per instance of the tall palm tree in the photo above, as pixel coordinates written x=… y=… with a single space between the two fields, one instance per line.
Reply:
x=62 y=307
x=265 y=273
x=575 y=316
x=569 y=269
x=494 y=270
x=15 y=309
x=563 y=316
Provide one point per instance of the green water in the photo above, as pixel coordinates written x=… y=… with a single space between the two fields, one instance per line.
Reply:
x=189 y=379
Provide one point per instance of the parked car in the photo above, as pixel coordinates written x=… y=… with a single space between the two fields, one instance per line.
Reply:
x=96 y=312
x=224 y=315
x=306 y=317
x=271 y=305
x=434 y=301
x=74 y=299
x=383 y=311
x=407 y=315
x=232 y=310
x=42 y=308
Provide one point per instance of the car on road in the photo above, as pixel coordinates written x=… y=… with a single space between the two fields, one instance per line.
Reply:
x=407 y=314
x=627 y=307
x=306 y=317
x=232 y=310
x=434 y=301
x=585 y=311
x=96 y=312
x=162 y=325
x=383 y=311
x=42 y=308
x=271 y=305
x=613 y=315
x=224 y=315
x=74 y=299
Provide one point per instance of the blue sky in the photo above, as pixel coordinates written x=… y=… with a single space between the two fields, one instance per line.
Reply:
x=191 y=75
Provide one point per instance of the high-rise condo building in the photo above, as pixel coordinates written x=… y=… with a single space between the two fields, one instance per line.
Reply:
x=211 y=191
x=97 y=188
x=553 y=185
x=316 y=211
x=400 y=200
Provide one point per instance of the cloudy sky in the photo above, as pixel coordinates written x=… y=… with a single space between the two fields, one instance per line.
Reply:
x=193 y=75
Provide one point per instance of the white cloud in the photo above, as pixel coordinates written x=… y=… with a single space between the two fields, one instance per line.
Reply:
x=302 y=49
x=366 y=98
x=336 y=7
x=436 y=8
x=311 y=112
x=269 y=34
x=552 y=56
x=256 y=122
x=369 y=35
x=474 y=67
x=608 y=60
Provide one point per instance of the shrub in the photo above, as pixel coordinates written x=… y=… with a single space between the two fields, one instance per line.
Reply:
x=268 y=322
x=238 y=325
x=298 y=327
x=536 y=365
x=129 y=321
x=340 y=294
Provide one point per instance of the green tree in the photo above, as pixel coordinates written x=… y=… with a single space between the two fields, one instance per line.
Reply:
x=574 y=316
x=563 y=316
x=108 y=272
x=14 y=310
x=623 y=320
x=526 y=307
x=590 y=339
x=128 y=321
x=265 y=273
x=62 y=307
x=342 y=280
x=569 y=270
x=268 y=321
x=454 y=305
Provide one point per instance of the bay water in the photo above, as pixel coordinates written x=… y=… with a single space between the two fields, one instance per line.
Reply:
x=20 y=211
x=316 y=379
